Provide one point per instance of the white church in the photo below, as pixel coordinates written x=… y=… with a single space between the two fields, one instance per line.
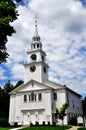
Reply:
x=37 y=98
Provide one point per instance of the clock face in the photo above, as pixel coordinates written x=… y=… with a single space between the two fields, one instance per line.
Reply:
x=32 y=68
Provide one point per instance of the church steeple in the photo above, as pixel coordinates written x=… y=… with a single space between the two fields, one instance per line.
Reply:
x=36 y=29
x=36 y=43
x=36 y=67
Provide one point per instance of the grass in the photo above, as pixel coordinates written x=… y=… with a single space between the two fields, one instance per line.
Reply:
x=6 y=128
x=82 y=128
x=1 y=128
x=46 y=128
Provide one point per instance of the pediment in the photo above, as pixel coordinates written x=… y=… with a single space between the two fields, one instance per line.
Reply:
x=32 y=85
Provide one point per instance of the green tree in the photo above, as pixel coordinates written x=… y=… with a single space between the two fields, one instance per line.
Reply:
x=84 y=110
x=18 y=83
x=61 y=113
x=4 y=99
x=8 y=14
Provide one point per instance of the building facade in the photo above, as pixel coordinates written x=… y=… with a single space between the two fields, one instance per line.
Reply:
x=37 y=98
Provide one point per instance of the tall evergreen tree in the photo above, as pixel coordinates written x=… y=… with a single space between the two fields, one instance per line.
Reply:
x=4 y=99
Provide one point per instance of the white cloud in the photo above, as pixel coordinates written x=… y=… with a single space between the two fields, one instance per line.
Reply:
x=62 y=27
x=2 y=71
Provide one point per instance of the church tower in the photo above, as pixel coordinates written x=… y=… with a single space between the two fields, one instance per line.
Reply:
x=36 y=67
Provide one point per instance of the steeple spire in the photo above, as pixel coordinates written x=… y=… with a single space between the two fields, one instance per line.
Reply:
x=36 y=43
x=36 y=29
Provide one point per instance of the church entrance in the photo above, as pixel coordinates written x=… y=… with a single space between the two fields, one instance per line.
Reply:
x=26 y=120
x=32 y=117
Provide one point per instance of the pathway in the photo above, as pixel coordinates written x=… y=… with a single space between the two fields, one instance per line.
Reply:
x=74 y=128
x=18 y=128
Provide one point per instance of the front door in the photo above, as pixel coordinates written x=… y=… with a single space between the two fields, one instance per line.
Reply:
x=32 y=117
x=26 y=120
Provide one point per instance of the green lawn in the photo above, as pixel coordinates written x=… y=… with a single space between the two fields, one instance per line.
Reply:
x=81 y=128
x=5 y=128
x=1 y=128
x=46 y=128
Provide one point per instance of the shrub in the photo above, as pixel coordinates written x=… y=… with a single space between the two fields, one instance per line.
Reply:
x=37 y=123
x=54 y=123
x=31 y=124
x=73 y=120
x=16 y=124
x=4 y=122
x=48 y=123
x=43 y=123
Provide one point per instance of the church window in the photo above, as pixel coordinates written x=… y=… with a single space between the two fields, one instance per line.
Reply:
x=32 y=96
x=55 y=96
x=52 y=106
x=25 y=98
x=44 y=70
x=40 y=97
x=37 y=39
x=35 y=97
x=34 y=46
x=37 y=45
x=73 y=103
x=32 y=84
x=42 y=58
x=67 y=98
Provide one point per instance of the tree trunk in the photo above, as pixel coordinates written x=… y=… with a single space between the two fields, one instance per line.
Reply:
x=84 y=121
x=63 y=124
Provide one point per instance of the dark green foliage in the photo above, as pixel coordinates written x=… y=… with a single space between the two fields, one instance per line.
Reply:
x=73 y=120
x=46 y=128
x=81 y=128
x=16 y=124
x=4 y=122
x=84 y=110
x=19 y=83
x=84 y=106
x=61 y=113
x=4 y=99
x=8 y=14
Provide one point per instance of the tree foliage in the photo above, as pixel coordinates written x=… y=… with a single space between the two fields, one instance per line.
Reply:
x=84 y=110
x=61 y=113
x=8 y=14
x=4 y=98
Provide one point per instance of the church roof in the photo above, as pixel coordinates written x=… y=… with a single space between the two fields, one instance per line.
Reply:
x=38 y=86
x=48 y=85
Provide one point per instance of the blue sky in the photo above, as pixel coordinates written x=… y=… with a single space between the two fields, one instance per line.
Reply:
x=63 y=35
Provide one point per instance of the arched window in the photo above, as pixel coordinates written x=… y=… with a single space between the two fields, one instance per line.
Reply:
x=32 y=96
x=25 y=98
x=42 y=58
x=44 y=69
x=37 y=45
x=40 y=97
x=55 y=96
x=34 y=46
